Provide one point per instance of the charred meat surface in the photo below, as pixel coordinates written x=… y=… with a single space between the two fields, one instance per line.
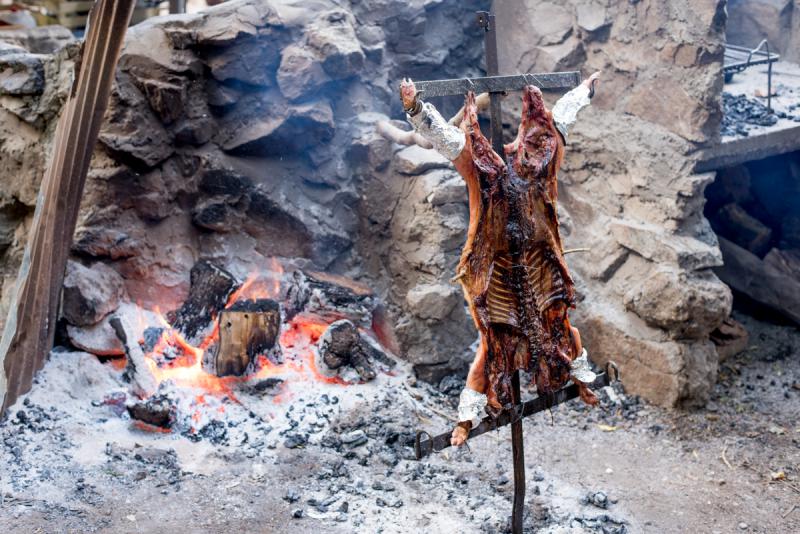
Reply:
x=512 y=268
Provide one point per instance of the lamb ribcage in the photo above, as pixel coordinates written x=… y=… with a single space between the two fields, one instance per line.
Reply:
x=542 y=277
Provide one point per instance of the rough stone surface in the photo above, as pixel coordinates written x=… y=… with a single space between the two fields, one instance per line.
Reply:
x=21 y=74
x=649 y=296
x=750 y=21
x=90 y=293
x=39 y=40
x=417 y=160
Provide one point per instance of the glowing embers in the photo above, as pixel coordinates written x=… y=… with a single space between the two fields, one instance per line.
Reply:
x=255 y=347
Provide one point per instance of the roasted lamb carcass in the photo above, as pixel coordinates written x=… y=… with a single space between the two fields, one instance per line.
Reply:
x=512 y=268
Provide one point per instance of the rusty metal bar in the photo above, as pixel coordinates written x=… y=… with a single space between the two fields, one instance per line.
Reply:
x=497 y=84
x=426 y=445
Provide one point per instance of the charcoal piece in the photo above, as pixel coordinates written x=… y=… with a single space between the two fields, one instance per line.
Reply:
x=354 y=439
x=343 y=345
x=294 y=441
x=157 y=411
x=215 y=432
x=741 y=113
x=213 y=215
x=105 y=243
x=362 y=365
x=247 y=329
x=151 y=335
x=210 y=288
x=268 y=386
x=330 y=297
x=338 y=343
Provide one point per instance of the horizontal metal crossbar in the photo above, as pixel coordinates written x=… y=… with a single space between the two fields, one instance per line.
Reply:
x=429 y=445
x=499 y=84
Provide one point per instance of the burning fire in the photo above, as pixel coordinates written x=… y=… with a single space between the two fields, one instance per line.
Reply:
x=297 y=339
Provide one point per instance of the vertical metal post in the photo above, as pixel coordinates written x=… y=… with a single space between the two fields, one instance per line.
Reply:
x=177 y=6
x=486 y=21
x=769 y=78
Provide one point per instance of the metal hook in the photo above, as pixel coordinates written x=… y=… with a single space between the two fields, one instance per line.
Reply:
x=418 y=443
x=611 y=365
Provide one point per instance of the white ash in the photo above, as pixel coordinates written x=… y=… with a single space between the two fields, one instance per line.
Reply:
x=341 y=454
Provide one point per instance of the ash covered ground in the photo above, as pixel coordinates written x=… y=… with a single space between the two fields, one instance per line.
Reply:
x=313 y=456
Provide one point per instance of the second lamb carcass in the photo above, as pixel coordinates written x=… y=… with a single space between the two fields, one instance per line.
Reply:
x=512 y=268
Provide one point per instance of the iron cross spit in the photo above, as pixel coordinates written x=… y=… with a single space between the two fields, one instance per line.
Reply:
x=512 y=267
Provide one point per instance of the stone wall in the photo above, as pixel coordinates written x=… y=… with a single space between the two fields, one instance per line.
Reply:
x=750 y=21
x=246 y=133
x=648 y=297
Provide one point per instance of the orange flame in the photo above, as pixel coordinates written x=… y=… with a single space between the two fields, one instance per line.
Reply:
x=297 y=341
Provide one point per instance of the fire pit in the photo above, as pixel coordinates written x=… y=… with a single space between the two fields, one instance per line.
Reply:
x=231 y=337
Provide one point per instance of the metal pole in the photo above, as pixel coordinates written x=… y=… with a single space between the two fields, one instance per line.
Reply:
x=486 y=21
x=769 y=79
x=177 y=6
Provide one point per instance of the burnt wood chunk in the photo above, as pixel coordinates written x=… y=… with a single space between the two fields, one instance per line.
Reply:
x=785 y=261
x=157 y=411
x=211 y=287
x=734 y=223
x=330 y=297
x=247 y=329
x=343 y=345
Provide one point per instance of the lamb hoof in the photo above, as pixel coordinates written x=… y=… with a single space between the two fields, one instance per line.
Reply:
x=459 y=436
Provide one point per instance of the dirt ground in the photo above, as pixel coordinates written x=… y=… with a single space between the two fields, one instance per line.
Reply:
x=731 y=467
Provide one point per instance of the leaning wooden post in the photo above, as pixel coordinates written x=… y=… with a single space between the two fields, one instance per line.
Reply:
x=29 y=329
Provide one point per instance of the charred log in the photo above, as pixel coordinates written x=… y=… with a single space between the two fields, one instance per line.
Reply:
x=210 y=288
x=247 y=329
x=330 y=297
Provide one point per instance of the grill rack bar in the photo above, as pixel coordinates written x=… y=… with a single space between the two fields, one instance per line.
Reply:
x=425 y=444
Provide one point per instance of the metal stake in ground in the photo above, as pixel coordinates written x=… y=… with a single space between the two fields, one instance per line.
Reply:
x=487 y=22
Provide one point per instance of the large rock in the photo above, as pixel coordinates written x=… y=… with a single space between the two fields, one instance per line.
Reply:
x=417 y=160
x=300 y=74
x=21 y=74
x=273 y=128
x=90 y=293
x=333 y=38
x=39 y=40
x=750 y=21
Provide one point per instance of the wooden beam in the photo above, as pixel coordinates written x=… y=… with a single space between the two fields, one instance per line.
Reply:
x=29 y=329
